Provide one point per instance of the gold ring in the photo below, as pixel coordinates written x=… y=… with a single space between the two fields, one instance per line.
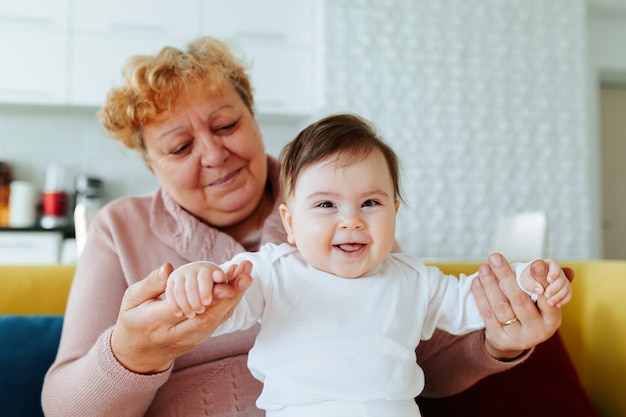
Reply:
x=509 y=322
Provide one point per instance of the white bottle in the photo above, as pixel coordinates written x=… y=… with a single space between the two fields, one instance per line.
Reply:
x=88 y=203
x=22 y=204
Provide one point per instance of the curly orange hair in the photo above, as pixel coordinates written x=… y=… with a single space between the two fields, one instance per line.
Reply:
x=152 y=83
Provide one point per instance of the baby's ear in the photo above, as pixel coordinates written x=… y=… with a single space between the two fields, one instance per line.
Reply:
x=285 y=215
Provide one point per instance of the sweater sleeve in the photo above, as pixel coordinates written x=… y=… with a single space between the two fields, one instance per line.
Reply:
x=452 y=364
x=98 y=385
x=85 y=379
x=463 y=357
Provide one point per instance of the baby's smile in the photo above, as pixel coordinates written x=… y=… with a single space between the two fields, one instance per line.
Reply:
x=351 y=247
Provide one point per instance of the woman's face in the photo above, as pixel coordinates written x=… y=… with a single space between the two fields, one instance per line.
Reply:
x=209 y=156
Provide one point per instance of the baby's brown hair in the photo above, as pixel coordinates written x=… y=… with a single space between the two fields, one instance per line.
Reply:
x=348 y=137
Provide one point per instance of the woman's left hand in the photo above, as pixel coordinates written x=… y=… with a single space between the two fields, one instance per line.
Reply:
x=513 y=322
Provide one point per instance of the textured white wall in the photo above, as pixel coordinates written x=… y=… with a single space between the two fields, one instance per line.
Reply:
x=484 y=100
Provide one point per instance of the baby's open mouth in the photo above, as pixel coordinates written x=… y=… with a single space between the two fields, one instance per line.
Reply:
x=350 y=247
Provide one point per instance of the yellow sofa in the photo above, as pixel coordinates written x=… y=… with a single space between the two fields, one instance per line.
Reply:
x=594 y=324
x=593 y=329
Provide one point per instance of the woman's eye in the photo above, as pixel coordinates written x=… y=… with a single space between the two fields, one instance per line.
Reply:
x=326 y=204
x=370 y=203
x=180 y=149
x=224 y=129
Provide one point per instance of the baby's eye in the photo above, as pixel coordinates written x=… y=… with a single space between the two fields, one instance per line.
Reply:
x=370 y=203
x=326 y=204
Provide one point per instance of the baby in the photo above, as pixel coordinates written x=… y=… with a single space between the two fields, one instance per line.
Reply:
x=341 y=314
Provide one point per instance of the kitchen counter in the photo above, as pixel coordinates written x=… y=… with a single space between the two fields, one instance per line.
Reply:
x=67 y=232
x=33 y=245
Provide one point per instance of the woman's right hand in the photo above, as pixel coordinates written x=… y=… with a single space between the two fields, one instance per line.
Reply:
x=501 y=302
x=148 y=336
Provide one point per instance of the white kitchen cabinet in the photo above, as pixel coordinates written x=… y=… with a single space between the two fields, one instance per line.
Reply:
x=282 y=41
x=97 y=63
x=137 y=19
x=104 y=37
x=71 y=52
x=283 y=79
x=269 y=21
x=34 y=50
x=30 y=247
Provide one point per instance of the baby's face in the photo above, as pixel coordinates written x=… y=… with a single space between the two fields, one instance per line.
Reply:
x=343 y=218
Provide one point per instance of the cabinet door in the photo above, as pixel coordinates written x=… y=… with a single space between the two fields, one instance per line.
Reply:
x=274 y=21
x=97 y=64
x=34 y=15
x=33 y=45
x=103 y=39
x=282 y=41
x=282 y=79
x=137 y=19
x=33 y=68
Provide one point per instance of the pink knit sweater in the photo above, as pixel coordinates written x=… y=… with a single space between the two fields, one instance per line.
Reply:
x=131 y=237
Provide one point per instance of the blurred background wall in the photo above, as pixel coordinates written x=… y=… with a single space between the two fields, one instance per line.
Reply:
x=491 y=105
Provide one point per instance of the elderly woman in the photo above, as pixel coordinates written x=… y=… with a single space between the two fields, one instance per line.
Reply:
x=122 y=352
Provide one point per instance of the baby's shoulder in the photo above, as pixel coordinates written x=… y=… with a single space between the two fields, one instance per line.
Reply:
x=416 y=265
x=269 y=254
x=403 y=260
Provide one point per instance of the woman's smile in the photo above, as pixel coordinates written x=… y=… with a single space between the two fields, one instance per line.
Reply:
x=227 y=179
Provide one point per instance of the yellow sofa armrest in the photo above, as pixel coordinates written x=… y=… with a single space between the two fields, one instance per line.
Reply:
x=594 y=329
x=35 y=289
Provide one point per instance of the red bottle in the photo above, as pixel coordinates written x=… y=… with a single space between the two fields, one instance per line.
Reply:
x=54 y=199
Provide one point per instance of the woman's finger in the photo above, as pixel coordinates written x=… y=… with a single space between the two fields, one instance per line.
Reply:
x=483 y=303
x=203 y=325
x=496 y=296
x=149 y=288
x=518 y=303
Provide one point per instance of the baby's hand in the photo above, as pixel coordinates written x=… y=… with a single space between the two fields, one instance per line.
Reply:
x=189 y=288
x=194 y=287
x=558 y=290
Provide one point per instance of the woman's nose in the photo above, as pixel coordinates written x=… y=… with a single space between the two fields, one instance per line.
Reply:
x=214 y=153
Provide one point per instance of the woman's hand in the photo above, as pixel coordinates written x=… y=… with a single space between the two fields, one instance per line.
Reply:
x=148 y=336
x=513 y=323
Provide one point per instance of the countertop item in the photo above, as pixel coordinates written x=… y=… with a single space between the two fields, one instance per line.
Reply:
x=54 y=199
x=6 y=176
x=22 y=204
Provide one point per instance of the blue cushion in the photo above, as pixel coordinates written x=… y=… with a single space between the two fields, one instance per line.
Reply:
x=28 y=346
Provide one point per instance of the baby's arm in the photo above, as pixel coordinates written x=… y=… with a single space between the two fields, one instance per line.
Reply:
x=194 y=287
x=558 y=291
